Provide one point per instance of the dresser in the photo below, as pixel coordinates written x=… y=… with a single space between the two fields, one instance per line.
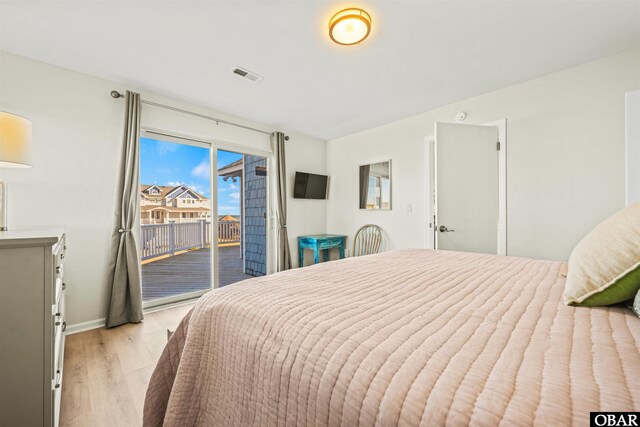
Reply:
x=32 y=325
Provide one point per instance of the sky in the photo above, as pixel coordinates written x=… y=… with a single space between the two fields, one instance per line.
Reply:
x=168 y=163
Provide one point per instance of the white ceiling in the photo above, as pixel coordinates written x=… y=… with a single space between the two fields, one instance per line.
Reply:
x=420 y=55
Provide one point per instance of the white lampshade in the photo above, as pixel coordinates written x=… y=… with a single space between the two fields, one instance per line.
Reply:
x=15 y=141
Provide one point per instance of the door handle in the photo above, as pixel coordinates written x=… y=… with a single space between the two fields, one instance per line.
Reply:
x=444 y=229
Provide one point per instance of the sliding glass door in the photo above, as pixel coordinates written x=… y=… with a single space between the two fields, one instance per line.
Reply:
x=175 y=220
x=196 y=234
x=242 y=216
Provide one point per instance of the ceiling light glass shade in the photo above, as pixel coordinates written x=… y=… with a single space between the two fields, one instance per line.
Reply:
x=15 y=141
x=350 y=26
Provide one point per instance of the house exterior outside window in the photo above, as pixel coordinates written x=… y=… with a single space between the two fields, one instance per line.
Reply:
x=164 y=204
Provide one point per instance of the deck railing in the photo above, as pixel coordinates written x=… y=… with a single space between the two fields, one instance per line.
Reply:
x=167 y=239
x=228 y=231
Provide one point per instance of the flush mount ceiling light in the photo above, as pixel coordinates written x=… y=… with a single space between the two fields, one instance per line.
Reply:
x=350 y=26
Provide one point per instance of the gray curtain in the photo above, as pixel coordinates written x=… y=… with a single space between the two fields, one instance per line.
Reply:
x=125 y=302
x=364 y=185
x=284 y=253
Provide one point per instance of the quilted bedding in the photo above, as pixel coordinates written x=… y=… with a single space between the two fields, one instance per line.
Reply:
x=410 y=337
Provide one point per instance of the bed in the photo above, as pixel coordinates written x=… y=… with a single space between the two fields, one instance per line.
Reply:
x=409 y=337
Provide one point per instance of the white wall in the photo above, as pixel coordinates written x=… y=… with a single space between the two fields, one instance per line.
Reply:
x=565 y=159
x=77 y=130
x=632 y=146
x=311 y=215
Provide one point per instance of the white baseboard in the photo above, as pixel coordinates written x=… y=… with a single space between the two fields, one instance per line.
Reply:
x=99 y=323
x=85 y=326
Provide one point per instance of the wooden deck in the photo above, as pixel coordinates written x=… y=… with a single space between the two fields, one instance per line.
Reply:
x=190 y=272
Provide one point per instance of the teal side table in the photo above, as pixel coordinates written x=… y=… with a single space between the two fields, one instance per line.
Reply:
x=319 y=242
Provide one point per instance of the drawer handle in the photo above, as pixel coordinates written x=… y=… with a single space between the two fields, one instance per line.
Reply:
x=58 y=378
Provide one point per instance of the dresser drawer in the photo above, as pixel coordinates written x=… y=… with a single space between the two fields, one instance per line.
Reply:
x=58 y=368
x=59 y=253
x=57 y=394
x=60 y=328
x=331 y=243
x=58 y=360
x=58 y=288
x=60 y=271
x=58 y=262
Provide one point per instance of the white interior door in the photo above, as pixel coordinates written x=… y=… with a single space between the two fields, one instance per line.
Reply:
x=466 y=188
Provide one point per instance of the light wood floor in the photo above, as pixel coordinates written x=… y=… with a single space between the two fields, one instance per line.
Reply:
x=106 y=371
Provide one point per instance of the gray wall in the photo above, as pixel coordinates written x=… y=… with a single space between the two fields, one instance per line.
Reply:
x=255 y=195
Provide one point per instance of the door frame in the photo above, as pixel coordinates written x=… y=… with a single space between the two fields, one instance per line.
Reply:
x=214 y=145
x=431 y=199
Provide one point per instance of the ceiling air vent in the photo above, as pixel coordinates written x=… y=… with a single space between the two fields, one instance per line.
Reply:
x=247 y=74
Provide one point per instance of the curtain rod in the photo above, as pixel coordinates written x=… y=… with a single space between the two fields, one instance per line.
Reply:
x=116 y=94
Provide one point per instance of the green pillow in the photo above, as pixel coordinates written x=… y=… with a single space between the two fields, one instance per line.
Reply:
x=623 y=289
x=604 y=268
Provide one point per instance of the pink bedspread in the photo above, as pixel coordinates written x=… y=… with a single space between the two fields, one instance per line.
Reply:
x=411 y=337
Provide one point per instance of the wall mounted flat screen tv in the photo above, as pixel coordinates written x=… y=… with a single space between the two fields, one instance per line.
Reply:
x=310 y=186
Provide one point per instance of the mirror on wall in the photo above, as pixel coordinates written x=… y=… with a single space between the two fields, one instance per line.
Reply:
x=375 y=186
